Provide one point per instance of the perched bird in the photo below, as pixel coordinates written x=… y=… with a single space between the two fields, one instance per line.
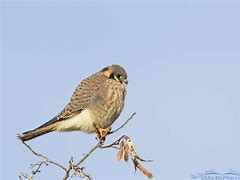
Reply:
x=95 y=104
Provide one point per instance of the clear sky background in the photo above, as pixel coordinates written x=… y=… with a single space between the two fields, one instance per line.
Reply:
x=183 y=64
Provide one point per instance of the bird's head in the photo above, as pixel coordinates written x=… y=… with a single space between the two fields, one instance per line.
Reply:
x=116 y=72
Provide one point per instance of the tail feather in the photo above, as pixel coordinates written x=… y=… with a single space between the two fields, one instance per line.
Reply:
x=37 y=132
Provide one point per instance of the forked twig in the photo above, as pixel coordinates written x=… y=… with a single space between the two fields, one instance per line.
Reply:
x=89 y=153
x=47 y=160
x=77 y=170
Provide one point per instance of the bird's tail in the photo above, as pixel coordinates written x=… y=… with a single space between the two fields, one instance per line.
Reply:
x=37 y=132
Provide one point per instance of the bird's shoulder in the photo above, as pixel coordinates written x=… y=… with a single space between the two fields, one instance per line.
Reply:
x=83 y=95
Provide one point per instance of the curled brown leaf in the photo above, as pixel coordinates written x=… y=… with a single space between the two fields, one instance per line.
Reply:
x=142 y=169
x=120 y=151
x=126 y=156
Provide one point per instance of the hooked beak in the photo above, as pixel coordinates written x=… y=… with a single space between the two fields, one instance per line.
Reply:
x=125 y=81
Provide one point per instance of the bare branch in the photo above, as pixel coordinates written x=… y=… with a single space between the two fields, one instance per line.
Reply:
x=126 y=147
x=45 y=157
x=76 y=168
x=36 y=167
x=68 y=169
x=111 y=132
x=25 y=176
x=99 y=144
x=114 y=144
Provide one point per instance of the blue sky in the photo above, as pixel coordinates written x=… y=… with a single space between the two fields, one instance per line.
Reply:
x=183 y=64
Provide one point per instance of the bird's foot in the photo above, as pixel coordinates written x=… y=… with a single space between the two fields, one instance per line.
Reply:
x=102 y=133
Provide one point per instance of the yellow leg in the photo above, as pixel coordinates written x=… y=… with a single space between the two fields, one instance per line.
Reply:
x=102 y=133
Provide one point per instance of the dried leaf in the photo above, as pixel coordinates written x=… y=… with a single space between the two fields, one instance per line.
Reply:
x=126 y=156
x=143 y=169
x=134 y=163
x=120 y=151
x=131 y=147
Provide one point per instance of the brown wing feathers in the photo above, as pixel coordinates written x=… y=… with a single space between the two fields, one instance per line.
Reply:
x=43 y=129
x=82 y=96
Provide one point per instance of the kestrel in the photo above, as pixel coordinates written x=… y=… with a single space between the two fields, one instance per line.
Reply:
x=94 y=106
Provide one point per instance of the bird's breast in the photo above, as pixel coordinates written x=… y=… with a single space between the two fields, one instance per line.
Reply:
x=109 y=106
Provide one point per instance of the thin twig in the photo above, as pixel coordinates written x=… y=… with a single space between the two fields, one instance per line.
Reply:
x=45 y=157
x=111 y=132
x=99 y=144
x=84 y=174
x=68 y=169
x=77 y=170
x=36 y=167
x=114 y=143
x=26 y=176
x=144 y=160
x=76 y=166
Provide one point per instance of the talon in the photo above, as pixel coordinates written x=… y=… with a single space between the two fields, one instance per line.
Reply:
x=102 y=133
